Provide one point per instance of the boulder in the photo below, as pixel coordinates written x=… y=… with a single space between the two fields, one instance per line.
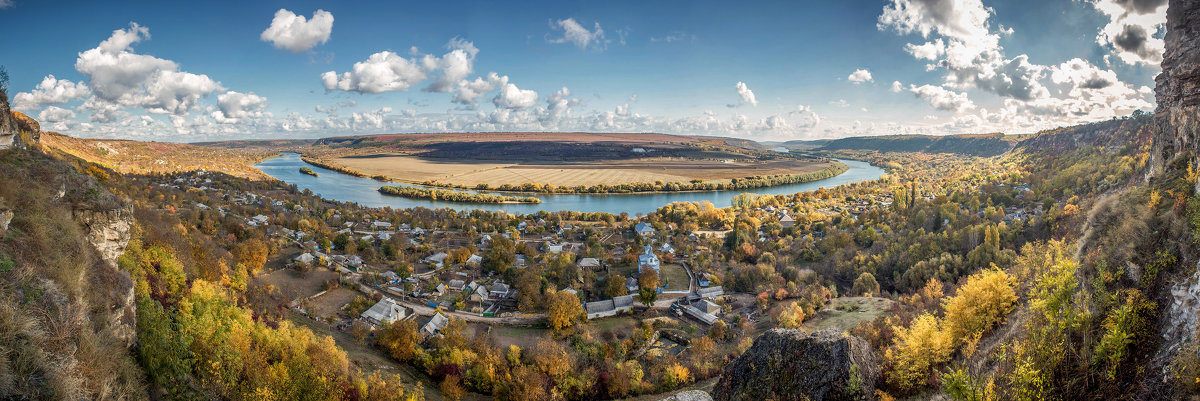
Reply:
x=788 y=364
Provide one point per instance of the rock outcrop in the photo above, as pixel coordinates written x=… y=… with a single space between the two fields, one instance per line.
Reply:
x=108 y=231
x=792 y=365
x=1177 y=88
x=16 y=129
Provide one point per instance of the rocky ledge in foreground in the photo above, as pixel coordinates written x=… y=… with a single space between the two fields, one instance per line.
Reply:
x=793 y=365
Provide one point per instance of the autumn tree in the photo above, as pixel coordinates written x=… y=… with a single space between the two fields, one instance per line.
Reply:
x=564 y=309
x=648 y=287
x=791 y=315
x=917 y=351
x=452 y=388
x=614 y=286
x=980 y=304
x=251 y=253
x=400 y=339
x=865 y=284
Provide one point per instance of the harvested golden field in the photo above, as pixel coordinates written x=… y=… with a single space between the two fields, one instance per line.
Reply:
x=133 y=157
x=495 y=173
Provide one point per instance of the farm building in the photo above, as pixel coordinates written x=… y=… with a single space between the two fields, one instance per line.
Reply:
x=609 y=307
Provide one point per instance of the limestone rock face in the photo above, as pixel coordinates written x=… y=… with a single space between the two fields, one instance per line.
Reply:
x=16 y=129
x=1177 y=88
x=108 y=231
x=792 y=365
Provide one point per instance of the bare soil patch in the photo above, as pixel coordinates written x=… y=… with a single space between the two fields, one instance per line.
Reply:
x=294 y=286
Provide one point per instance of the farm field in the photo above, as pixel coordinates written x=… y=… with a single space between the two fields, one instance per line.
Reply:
x=847 y=312
x=495 y=172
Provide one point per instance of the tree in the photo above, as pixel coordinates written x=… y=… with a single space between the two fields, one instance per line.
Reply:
x=252 y=253
x=865 y=284
x=981 y=303
x=614 y=286
x=718 y=331
x=648 y=287
x=400 y=339
x=564 y=308
x=552 y=358
x=791 y=315
x=452 y=388
x=917 y=351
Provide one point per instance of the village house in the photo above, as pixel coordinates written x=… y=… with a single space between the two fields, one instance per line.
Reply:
x=384 y=311
x=474 y=260
x=499 y=290
x=643 y=229
x=305 y=258
x=436 y=259
x=479 y=294
x=435 y=325
x=589 y=263
x=787 y=221
x=457 y=285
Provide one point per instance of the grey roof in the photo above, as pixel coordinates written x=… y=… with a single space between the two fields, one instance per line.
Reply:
x=437 y=323
x=600 y=306
x=711 y=292
x=623 y=301
x=386 y=310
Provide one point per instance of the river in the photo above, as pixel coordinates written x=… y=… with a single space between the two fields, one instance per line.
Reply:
x=365 y=191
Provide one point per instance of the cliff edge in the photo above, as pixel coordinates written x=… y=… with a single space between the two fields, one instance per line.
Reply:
x=1177 y=88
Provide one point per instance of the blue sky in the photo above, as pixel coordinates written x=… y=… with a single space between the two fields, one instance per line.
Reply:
x=760 y=70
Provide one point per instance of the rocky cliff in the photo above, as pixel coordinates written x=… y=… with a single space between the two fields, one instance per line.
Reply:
x=16 y=128
x=1177 y=88
x=792 y=365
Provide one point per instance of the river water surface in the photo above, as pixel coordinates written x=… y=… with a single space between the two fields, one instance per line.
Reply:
x=365 y=191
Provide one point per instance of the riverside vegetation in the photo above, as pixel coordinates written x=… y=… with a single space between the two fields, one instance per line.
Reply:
x=453 y=196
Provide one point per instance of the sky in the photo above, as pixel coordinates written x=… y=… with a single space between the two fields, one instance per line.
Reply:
x=767 y=71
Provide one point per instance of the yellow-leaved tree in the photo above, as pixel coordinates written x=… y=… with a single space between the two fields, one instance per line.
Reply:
x=918 y=350
x=979 y=305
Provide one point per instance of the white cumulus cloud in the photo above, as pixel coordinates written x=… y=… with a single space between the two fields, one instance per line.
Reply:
x=514 y=98
x=119 y=76
x=746 y=94
x=233 y=106
x=382 y=72
x=50 y=91
x=295 y=33
x=860 y=75
x=942 y=98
